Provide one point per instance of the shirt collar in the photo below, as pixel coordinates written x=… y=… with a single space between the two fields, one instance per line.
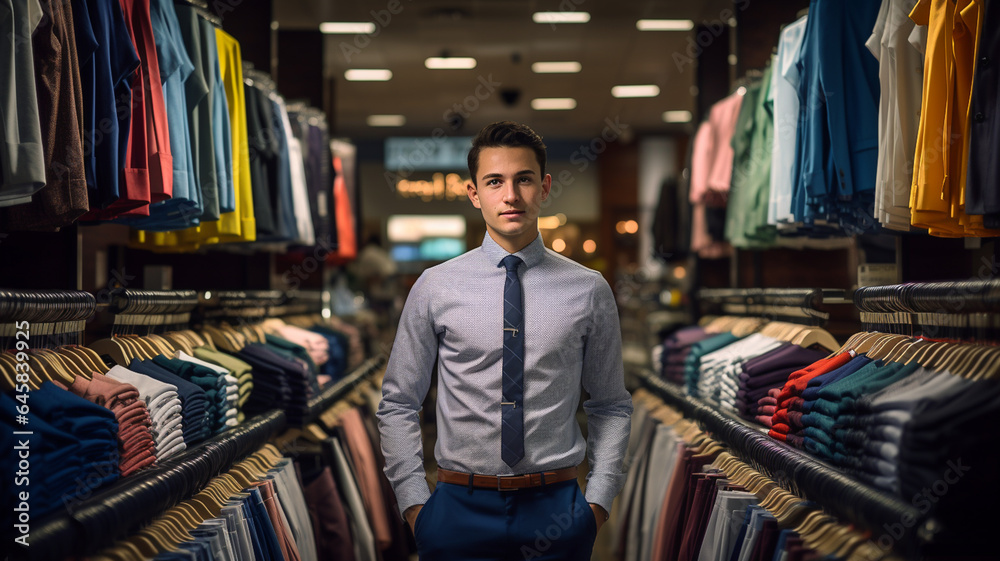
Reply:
x=532 y=254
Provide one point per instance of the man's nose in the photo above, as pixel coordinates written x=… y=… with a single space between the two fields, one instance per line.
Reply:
x=511 y=193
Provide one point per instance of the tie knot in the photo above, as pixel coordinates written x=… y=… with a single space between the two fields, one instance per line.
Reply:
x=511 y=262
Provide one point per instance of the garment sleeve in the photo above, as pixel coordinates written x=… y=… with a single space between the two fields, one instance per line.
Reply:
x=608 y=405
x=404 y=387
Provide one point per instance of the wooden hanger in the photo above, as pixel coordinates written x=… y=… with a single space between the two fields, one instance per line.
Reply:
x=834 y=538
x=851 y=341
x=80 y=361
x=816 y=336
x=57 y=369
x=119 y=352
x=179 y=341
x=91 y=358
x=865 y=345
x=952 y=357
x=887 y=348
x=162 y=346
x=991 y=369
x=9 y=375
x=975 y=358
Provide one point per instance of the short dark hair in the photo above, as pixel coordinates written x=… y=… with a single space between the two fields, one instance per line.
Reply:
x=505 y=134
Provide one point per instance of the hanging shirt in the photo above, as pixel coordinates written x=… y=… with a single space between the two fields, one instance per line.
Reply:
x=159 y=158
x=113 y=67
x=238 y=225
x=785 y=108
x=199 y=111
x=981 y=195
x=22 y=165
x=837 y=138
x=900 y=79
x=746 y=215
x=60 y=109
x=937 y=198
x=183 y=209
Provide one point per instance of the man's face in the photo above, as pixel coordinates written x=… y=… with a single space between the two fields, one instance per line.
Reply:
x=509 y=190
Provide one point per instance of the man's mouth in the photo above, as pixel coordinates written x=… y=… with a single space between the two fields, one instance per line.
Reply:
x=511 y=212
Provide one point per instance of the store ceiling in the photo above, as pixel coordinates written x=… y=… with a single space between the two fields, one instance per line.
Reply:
x=501 y=35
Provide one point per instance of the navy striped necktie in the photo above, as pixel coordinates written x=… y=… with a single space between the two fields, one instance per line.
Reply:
x=512 y=430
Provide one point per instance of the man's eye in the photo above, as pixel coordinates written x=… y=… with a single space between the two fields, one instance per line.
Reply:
x=493 y=182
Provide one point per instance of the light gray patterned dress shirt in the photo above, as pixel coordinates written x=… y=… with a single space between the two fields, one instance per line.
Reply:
x=454 y=313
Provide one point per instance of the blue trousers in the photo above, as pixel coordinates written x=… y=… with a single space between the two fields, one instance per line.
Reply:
x=548 y=523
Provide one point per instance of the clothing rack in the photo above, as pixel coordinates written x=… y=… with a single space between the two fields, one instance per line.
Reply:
x=329 y=396
x=304 y=302
x=126 y=506
x=46 y=306
x=53 y=316
x=803 y=475
x=242 y=305
x=140 y=312
x=797 y=305
x=86 y=527
x=965 y=310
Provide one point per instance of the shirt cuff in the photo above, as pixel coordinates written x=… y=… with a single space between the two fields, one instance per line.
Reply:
x=601 y=490
x=412 y=491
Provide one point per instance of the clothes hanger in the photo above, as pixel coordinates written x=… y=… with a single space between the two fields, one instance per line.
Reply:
x=852 y=340
x=849 y=543
x=38 y=372
x=90 y=358
x=991 y=369
x=880 y=343
x=953 y=356
x=9 y=376
x=112 y=347
x=148 y=545
x=833 y=539
x=146 y=347
x=816 y=336
x=82 y=366
x=57 y=370
x=773 y=498
x=864 y=344
x=161 y=345
x=888 y=348
x=179 y=342
x=976 y=356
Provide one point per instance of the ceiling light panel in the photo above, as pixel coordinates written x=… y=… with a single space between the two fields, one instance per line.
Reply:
x=368 y=75
x=450 y=63
x=348 y=27
x=560 y=17
x=565 y=67
x=645 y=90
x=553 y=103
x=664 y=25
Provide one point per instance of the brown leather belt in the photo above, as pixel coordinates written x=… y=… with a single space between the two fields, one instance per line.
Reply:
x=507 y=482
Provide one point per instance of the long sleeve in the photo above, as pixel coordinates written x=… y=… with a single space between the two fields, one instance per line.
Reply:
x=609 y=406
x=407 y=380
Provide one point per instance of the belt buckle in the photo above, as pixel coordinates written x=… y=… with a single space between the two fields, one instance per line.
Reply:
x=502 y=478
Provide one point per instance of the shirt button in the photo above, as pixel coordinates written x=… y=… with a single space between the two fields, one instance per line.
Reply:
x=979 y=117
x=984 y=59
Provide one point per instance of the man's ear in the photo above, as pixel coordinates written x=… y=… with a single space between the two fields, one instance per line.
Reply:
x=546 y=186
x=473 y=193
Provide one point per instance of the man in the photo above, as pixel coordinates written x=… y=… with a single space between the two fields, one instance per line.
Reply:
x=517 y=331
